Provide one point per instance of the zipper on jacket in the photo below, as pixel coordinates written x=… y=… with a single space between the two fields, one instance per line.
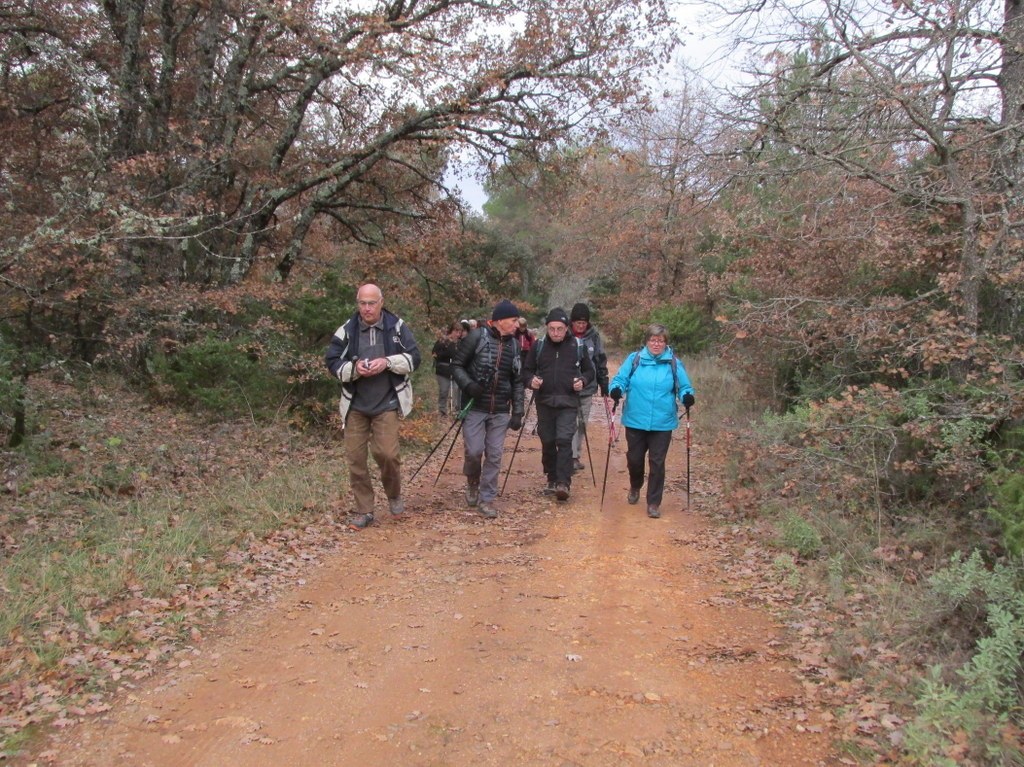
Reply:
x=494 y=381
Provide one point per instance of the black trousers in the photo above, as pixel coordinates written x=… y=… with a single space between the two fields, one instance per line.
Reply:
x=556 y=427
x=654 y=445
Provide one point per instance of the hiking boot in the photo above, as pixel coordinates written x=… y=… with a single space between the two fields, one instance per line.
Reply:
x=561 y=492
x=653 y=512
x=359 y=521
x=396 y=507
x=472 y=495
x=634 y=496
x=487 y=511
x=550 y=489
x=577 y=464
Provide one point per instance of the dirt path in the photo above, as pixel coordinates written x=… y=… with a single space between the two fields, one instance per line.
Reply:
x=558 y=634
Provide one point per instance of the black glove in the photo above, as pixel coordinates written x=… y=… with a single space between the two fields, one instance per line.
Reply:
x=616 y=395
x=516 y=422
x=474 y=390
x=687 y=400
x=603 y=385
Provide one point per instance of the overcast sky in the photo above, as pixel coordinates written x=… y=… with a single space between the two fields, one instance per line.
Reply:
x=704 y=50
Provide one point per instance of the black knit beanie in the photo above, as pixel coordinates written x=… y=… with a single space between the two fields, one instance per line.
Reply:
x=580 y=312
x=503 y=310
x=557 y=315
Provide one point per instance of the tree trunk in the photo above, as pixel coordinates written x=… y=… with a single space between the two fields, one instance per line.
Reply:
x=1011 y=87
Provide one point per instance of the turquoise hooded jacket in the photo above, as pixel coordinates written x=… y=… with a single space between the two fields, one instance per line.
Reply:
x=650 y=403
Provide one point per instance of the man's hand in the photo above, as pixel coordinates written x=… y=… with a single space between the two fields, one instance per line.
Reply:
x=474 y=390
x=516 y=422
x=367 y=368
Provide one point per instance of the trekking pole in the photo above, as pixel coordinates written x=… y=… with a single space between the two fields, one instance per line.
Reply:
x=434 y=449
x=687 y=459
x=610 y=412
x=586 y=441
x=460 y=419
x=514 y=449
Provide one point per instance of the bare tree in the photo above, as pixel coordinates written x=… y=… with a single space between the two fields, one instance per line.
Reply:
x=921 y=99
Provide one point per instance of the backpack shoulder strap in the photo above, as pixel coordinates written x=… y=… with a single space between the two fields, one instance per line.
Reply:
x=635 y=364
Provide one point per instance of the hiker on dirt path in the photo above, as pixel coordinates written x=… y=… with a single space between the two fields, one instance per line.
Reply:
x=525 y=337
x=487 y=367
x=557 y=369
x=373 y=354
x=443 y=351
x=654 y=381
x=587 y=335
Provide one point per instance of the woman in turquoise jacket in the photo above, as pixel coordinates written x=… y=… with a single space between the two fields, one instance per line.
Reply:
x=654 y=382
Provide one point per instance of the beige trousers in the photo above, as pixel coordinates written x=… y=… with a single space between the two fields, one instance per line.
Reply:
x=378 y=436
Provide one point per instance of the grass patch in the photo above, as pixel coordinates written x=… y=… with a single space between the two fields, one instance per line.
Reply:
x=152 y=546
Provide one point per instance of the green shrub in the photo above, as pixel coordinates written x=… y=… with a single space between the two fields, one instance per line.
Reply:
x=967 y=719
x=689 y=329
x=229 y=378
x=800 y=536
x=1008 y=510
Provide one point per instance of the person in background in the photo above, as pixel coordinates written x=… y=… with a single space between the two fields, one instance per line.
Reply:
x=373 y=354
x=557 y=370
x=653 y=381
x=486 y=367
x=525 y=337
x=443 y=351
x=587 y=335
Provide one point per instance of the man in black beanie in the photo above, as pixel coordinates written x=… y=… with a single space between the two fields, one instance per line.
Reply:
x=486 y=366
x=588 y=337
x=557 y=369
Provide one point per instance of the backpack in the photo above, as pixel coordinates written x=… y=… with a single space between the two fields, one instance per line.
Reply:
x=579 y=350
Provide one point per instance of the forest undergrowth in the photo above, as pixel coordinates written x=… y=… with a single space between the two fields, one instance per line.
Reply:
x=924 y=591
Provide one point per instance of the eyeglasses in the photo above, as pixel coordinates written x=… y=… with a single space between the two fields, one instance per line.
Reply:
x=367 y=303
x=657 y=340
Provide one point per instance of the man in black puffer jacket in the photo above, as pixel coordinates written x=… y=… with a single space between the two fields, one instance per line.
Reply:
x=557 y=369
x=486 y=367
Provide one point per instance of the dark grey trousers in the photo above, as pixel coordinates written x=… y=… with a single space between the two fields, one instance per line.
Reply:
x=556 y=427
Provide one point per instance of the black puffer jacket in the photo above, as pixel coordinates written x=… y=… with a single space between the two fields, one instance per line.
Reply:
x=493 y=361
x=558 y=364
